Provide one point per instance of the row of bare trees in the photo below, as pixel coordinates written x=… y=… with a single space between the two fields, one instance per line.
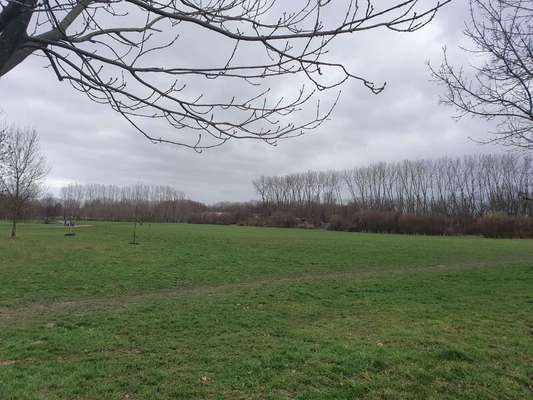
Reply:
x=300 y=190
x=464 y=187
x=125 y=203
x=460 y=188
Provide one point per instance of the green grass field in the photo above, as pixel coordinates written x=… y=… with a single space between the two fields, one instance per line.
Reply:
x=206 y=312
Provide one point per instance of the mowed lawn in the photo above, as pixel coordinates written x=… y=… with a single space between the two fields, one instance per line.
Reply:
x=208 y=312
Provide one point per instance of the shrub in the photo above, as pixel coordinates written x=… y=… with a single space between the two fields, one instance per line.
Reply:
x=251 y=221
x=391 y=222
x=503 y=226
x=424 y=225
x=337 y=223
x=374 y=221
x=281 y=219
x=212 y=217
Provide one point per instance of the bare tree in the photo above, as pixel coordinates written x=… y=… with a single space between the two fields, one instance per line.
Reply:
x=500 y=89
x=23 y=169
x=113 y=51
x=49 y=207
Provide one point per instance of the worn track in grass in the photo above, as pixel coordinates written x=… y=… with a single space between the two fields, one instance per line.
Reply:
x=34 y=310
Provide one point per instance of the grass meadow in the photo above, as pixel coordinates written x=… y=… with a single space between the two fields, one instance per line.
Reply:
x=212 y=312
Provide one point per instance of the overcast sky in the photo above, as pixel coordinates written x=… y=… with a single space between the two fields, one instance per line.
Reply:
x=88 y=143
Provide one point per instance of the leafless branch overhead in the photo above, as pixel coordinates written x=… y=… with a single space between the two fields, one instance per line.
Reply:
x=499 y=87
x=130 y=55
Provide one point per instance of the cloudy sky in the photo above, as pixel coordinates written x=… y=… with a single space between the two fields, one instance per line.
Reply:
x=89 y=143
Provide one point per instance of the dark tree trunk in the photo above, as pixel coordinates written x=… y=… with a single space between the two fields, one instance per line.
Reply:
x=14 y=20
x=14 y=226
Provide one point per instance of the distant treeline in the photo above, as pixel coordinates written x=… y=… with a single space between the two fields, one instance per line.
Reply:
x=466 y=187
x=127 y=203
x=485 y=194
x=113 y=203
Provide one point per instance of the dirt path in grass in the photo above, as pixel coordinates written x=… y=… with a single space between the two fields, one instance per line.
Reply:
x=87 y=304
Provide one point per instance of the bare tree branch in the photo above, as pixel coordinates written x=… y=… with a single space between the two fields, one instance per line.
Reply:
x=501 y=32
x=111 y=50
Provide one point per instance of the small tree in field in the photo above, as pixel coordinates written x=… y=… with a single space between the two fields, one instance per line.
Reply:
x=23 y=169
